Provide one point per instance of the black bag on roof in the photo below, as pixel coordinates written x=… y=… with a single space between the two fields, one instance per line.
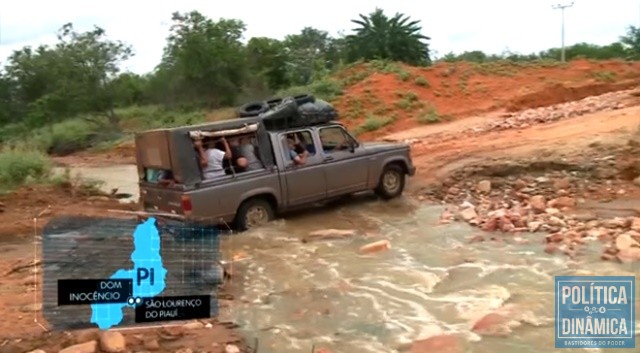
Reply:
x=293 y=112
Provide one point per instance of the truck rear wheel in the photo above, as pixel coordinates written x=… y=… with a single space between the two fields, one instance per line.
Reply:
x=391 y=182
x=253 y=213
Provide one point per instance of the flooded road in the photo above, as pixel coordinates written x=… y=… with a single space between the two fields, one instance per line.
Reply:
x=293 y=295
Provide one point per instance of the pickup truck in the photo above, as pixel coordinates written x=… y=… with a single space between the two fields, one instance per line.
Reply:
x=249 y=199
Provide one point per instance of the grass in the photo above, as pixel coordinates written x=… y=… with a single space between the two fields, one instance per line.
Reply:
x=421 y=81
x=373 y=123
x=326 y=89
x=408 y=100
x=20 y=166
x=604 y=76
x=89 y=132
x=431 y=116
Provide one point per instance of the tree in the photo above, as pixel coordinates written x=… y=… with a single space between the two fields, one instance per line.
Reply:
x=380 y=37
x=70 y=78
x=631 y=42
x=204 y=60
x=267 y=58
x=307 y=53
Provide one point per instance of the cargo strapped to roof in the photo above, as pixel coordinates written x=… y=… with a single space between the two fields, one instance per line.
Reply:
x=247 y=128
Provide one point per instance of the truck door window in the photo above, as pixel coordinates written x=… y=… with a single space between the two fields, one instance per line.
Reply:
x=303 y=141
x=334 y=138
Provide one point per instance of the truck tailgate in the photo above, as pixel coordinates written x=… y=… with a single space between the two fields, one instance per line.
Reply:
x=161 y=199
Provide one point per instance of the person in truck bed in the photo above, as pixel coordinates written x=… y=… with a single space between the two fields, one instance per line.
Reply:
x=247 y=151
x=212 y=159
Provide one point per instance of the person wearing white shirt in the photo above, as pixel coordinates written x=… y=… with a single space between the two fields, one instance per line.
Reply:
x=211 y=159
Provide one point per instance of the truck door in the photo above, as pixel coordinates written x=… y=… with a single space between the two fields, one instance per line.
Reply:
x=303 y=183
x=345 y=162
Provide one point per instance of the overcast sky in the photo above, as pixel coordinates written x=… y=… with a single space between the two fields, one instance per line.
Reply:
x=491 y=25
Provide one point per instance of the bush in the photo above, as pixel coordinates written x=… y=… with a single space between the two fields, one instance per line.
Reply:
x=19 y=166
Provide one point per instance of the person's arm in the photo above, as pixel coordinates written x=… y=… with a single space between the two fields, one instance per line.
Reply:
x=227 y=149
x=201 y=154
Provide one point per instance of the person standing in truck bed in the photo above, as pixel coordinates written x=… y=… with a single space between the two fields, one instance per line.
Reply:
x=248 y=152
x=212 y=159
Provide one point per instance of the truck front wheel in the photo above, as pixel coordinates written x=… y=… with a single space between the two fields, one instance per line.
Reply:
x=391 y=182
x=253 y=213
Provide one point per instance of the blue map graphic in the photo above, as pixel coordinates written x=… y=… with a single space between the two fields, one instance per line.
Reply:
x=146 y=254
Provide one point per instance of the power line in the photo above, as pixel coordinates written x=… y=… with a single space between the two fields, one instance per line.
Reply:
x=561 y=8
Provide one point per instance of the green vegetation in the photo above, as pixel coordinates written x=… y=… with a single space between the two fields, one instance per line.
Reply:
x=61 y=98
x=373 y=123
x=604 y=76
x=431 y=116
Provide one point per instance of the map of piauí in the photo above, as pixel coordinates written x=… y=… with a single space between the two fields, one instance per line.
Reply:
x=146 y=254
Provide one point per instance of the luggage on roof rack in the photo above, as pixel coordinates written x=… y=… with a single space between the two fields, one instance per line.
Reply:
x=294 y=112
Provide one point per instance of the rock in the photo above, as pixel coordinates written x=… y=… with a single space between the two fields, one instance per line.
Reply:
x=37 y=351
x=184 y=350
x=476 y=239
x=468 y=214
x=550 y=248
x=617 y=222
x=193 y=325
x=112 y=342
x=30 y=308
x=636 y=181
x=484 y=186
x=635 y=224
x=231 y=348
x=151 y=345
x=98 y=198
x=538 y=203
x=440 y=344
x=330 y=234
x=520 y=184
x=542 y=180
x=377 y=246
x=629 y=255
x=87 y=347
x=552 y=211
x=562 y=184
x=453 y=190
x=562 y=202
x=555 y=221
x=492 y=324
x=624 y=241
x=555 y=238
x=534 y=226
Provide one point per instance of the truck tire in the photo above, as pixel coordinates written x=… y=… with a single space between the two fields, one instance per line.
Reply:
x=391 y=182
x=286 y=110
x=253 y=213
x=252 y=109
x=274 y=101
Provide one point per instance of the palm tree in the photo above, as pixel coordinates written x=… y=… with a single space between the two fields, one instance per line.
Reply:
x=396 y=38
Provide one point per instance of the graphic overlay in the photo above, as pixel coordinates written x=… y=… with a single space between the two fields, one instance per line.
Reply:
x=595 y=312
x=109 y=272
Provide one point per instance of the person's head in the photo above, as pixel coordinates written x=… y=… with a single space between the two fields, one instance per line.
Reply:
x=245 y=140
x=291 y=143
x=219 y=145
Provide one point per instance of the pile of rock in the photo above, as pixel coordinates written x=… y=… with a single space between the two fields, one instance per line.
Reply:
x=542 y=204
x=526 y=118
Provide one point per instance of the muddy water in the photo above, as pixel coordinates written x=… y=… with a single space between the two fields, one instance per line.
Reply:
x=292 y=295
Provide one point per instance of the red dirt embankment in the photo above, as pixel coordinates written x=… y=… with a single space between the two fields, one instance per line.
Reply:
x=408 y=96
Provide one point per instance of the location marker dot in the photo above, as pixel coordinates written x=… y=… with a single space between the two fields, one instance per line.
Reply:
x=138 y=300
x=131 y=301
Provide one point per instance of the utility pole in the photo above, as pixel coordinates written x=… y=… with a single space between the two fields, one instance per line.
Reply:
x=561 y=8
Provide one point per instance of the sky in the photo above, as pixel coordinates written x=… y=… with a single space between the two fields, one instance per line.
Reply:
x=493 y=26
